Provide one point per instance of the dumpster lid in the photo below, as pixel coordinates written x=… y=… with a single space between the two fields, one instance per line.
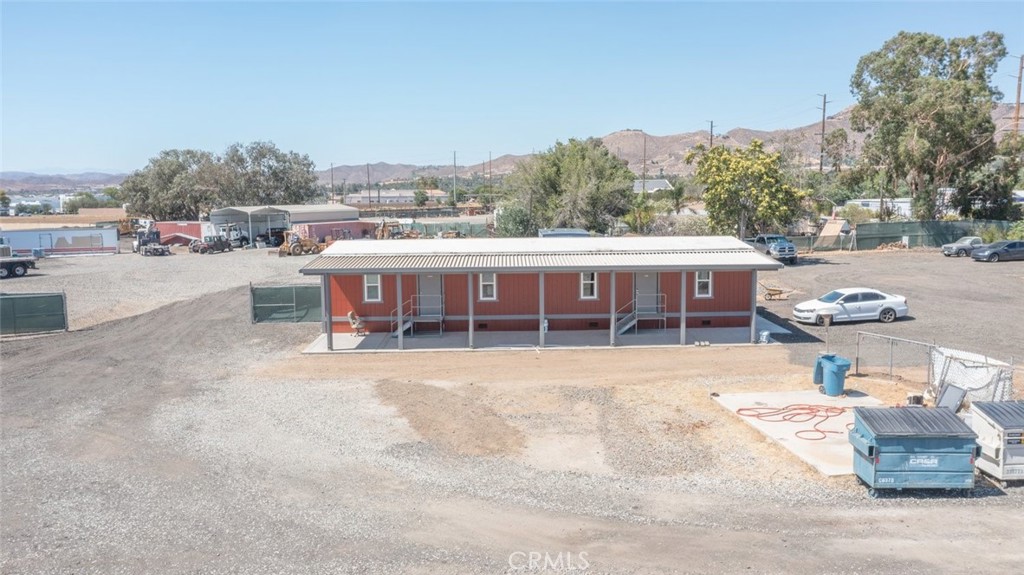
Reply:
x=912 y=421
x=1005 y=414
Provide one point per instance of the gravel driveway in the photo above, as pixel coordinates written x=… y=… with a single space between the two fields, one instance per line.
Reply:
x=167 y=434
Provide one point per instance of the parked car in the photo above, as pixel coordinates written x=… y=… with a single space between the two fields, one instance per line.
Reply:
x=1004 y=250
x=852 y=304
x=211 y=244
x=962 y=247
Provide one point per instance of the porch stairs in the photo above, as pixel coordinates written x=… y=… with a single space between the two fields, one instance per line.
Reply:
x=646 y=308
x=419 y=311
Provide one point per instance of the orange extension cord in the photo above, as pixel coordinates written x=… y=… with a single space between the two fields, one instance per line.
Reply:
x=797 y=413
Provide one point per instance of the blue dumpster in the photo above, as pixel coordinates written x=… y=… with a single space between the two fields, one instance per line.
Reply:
x=912 y=447
x=830 y=374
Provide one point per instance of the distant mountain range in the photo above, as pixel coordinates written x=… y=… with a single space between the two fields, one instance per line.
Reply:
x=665 y=156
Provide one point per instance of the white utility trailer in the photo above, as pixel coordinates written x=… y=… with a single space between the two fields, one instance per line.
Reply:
x=1000 y=429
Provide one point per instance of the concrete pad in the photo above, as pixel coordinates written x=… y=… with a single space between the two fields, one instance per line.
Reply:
x=830 y=453
x=761 y=324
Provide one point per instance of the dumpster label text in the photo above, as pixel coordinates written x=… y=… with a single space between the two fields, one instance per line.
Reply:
x=924 y=461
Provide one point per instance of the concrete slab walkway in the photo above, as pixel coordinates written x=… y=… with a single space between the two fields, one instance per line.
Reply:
x=814 y=428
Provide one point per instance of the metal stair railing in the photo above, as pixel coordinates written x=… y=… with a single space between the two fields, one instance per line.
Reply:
x=629 y=320
x=406 y=319
x=428 y=309
x=652 y=307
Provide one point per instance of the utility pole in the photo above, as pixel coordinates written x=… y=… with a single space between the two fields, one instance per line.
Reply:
x=455 y=169
x=332 y=181
x=821 y=154
x=711 y=134
x=1016 y=113
x=368 y=197
x=644 y=169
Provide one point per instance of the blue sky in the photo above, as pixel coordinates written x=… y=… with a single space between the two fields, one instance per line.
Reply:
x=107 y=86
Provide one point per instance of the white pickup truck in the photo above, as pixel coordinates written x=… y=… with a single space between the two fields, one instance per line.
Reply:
x=775 y=245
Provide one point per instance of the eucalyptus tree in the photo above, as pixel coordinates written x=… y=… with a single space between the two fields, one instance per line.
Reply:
x=925 y=103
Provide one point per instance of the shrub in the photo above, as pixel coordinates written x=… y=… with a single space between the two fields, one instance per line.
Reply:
x=990 y=234
x=1016 y=231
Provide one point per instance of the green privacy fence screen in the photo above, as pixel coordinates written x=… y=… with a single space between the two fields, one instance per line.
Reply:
x=286 y=304
x=916 y=234
x=922 y=234
x=32 y=313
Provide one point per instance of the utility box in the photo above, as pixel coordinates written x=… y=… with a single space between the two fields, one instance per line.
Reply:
x=1000 y=429
x=912 y=448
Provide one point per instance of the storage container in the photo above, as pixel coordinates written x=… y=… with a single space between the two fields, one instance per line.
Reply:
x=1000 y=429
x=912 y=448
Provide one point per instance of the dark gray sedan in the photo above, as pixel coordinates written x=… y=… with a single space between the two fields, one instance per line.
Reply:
x=1004 y=250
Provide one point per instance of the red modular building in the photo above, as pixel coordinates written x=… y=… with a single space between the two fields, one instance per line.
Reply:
x=540 y=284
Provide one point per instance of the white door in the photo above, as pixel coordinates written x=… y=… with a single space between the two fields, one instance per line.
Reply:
x=645 y=286
x=430 y=292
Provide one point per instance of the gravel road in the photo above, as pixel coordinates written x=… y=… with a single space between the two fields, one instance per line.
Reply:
x=167 y=434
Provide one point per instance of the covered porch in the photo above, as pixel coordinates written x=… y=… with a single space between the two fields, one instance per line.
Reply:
x=528 y=340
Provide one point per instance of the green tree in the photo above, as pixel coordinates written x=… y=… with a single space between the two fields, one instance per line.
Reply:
x=640 y=217
x=925 y=104
x=512 y=220
x=745 y=186
x=420 y=198
x=578 y=184
x=186 y=184
x=987 y=192
x=855 y=214
x=261 y=174
x=5 y=200
x=177 y=184
x=79 y=201
x=837 y=149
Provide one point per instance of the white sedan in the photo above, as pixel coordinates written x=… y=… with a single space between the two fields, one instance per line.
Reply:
x=851 y=304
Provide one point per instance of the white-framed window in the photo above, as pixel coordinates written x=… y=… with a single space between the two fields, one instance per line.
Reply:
x=488 y=286
x=588 y=285
x=371 y=288
x=702 y=284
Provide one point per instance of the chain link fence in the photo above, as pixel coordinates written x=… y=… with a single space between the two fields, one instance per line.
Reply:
x=33 y=313
x=979 y=377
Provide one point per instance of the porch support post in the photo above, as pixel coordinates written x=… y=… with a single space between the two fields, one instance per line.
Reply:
x=753 y=306
x=401 y=312
x=325 y=286
x=469 y=305
x=682 y=307
x=611 y=310
x=540 y=287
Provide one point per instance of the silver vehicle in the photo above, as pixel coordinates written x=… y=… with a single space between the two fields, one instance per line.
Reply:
x=852 y=304
x=962 y=247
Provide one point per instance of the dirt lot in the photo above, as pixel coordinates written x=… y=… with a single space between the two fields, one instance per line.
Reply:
x=165 y=433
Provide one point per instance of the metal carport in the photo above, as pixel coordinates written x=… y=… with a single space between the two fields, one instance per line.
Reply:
x=265 y=218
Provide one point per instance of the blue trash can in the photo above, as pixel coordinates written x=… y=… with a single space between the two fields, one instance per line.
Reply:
x=819 y=367
x=834 y=375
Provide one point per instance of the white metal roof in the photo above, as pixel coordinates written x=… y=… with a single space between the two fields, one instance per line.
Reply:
x=539 y=254
x=247 y=211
